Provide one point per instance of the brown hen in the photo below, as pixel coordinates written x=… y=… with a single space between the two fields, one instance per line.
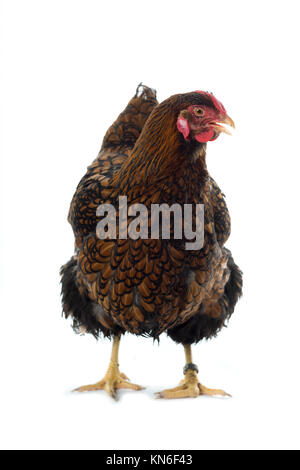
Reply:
x=153 y=154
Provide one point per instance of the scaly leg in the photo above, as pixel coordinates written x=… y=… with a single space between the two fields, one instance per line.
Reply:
x=190 y=385
x=113 y=379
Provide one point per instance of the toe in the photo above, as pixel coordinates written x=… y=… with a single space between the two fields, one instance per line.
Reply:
x=212 y=391
x=111 y=391
x=182 y=391
x=130 y=386
x=90 y=388
x=124 y=376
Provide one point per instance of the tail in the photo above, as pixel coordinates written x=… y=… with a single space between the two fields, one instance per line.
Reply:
x=128 y=126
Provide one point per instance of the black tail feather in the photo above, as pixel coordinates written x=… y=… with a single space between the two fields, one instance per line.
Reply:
x=78 y=305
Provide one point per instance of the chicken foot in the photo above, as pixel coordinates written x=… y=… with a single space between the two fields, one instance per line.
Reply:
x=190 y=387
x=113 y=379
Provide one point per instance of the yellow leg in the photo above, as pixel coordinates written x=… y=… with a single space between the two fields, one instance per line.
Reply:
x=113 y=379
x=190 y=387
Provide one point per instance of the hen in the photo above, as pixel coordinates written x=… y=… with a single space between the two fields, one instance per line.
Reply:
x=153 y=154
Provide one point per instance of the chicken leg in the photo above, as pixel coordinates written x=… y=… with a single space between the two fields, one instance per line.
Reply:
x=190 y=387
x=113 y=379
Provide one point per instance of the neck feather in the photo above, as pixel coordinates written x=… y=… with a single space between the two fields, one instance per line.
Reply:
x=160 y=153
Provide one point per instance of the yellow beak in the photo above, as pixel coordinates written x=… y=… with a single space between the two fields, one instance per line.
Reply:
x=224 y=120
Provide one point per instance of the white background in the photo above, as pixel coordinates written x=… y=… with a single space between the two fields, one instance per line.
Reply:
x=67 y=69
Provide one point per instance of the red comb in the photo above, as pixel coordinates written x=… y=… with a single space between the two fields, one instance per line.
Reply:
x=217 y=104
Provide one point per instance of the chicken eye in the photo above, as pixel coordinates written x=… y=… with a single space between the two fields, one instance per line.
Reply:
x=198 y=112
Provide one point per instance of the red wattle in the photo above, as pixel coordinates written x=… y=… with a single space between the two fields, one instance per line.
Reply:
x=205 y=136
